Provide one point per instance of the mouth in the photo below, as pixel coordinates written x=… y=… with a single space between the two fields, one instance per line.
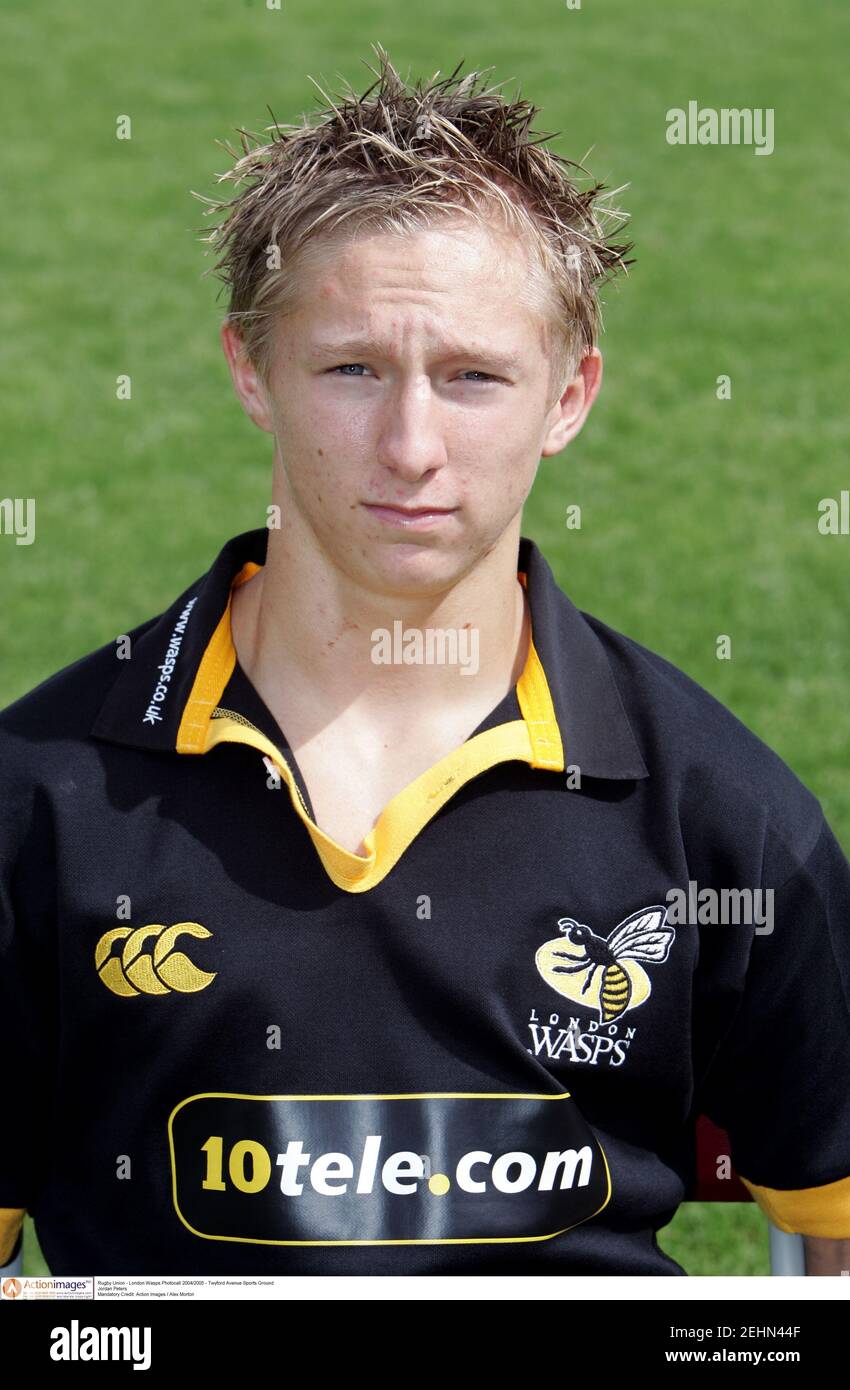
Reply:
x=408 y=518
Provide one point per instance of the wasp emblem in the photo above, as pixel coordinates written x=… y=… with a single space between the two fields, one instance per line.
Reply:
x=606 y=973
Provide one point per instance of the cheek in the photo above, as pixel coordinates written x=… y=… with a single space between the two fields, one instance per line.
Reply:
x=500 y=465
x=342 y=430
x=312 y=445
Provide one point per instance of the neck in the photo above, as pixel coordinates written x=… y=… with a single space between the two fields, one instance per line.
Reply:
x=303 y=633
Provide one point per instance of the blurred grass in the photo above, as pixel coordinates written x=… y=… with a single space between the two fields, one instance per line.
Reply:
x=699 y=516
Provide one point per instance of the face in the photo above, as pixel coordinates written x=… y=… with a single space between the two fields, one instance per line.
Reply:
x=410 y=398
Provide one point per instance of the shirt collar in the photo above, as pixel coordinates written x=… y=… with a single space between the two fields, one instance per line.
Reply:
x=597 y=735
x=146 y=703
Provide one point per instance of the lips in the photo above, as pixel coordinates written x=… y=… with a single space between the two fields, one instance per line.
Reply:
x=410 y=511
x=409 y=519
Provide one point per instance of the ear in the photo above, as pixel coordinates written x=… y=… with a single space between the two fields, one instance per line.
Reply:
x=569 y=413
x=246 y=381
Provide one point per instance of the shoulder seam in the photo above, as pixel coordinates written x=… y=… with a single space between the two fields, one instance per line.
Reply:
x=801 y=867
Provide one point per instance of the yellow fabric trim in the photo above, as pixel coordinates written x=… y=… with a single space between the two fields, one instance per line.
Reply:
x=215 y=670
x=535 y=701
x=11 y=1221
x=405 y=815
x=807 y=1211
x=534 y=739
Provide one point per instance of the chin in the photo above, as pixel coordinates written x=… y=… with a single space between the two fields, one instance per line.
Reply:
x=411 y=567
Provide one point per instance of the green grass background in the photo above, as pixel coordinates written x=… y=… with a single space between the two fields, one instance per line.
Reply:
x=699 y=516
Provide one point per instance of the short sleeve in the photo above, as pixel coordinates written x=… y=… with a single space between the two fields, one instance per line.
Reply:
x=28 y=1013
x=779 y=1083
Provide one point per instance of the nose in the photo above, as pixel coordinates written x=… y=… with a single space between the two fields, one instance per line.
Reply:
x=410 y=440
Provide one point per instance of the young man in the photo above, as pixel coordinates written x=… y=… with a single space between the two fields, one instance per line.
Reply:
x=336 y=921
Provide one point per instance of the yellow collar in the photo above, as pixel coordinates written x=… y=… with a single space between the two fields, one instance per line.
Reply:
x=534 y=739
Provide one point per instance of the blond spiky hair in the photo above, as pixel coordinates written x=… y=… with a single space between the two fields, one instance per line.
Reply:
x=399 y=159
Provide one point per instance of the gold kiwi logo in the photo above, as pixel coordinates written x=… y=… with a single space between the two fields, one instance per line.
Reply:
x=606 y=973
x=161 y=970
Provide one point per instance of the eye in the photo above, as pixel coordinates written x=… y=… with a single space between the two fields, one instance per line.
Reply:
x=484 y=376
x=349 y=368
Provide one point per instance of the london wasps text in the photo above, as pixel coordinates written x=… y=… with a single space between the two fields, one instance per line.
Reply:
x=598 y=1041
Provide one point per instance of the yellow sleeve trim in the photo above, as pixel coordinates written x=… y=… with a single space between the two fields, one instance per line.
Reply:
x=807 y=1211
x=11 y=1221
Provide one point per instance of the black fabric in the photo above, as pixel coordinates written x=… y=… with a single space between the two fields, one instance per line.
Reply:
x=241 y=695
x=442 y=980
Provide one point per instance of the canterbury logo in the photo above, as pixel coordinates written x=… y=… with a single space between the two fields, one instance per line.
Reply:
x=159 y=971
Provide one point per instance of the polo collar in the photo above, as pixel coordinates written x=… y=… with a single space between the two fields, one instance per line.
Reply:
x=597 y=735
x=164 y=697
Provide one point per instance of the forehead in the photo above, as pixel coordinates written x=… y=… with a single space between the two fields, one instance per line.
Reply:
x=469 y=272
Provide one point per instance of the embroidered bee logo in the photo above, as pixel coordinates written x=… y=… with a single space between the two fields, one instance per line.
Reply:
x=606 y=973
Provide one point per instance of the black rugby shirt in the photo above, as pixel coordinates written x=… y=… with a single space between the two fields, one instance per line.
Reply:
x=235 y=1047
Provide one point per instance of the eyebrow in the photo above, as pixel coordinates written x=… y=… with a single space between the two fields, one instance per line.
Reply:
x=351 y=348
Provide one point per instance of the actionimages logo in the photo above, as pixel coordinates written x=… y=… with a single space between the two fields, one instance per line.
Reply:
x=77 y=1343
